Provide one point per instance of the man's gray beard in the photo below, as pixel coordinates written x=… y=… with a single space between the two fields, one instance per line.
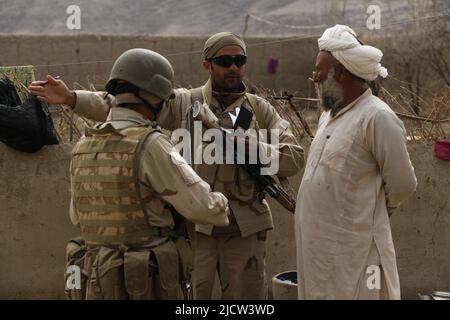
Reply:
x=330 y=93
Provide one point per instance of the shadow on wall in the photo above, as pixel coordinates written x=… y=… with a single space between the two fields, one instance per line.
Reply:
x=34 y=222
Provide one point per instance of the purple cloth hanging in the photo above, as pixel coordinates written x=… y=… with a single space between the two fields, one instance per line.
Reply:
x=272 y=65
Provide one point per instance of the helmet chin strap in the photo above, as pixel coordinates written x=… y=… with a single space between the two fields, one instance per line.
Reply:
x=154 y=110
x=130 y=88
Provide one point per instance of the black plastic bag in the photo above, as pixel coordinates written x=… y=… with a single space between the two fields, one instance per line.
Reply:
x=25 y=127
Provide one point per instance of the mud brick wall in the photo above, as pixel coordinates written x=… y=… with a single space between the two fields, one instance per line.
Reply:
x=35 y=225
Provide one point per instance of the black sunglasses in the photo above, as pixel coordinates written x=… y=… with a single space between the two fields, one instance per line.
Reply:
x=227 y=60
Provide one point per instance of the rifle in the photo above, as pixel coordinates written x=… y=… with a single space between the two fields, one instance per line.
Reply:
x=266 y=183
x=270 y=186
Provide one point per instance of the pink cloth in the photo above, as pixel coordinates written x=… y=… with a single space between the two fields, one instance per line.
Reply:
x=442 y=149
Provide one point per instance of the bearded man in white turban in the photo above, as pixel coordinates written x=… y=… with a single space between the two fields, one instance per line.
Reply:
x=357 y=173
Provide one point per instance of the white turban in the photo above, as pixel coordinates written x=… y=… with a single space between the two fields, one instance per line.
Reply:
x=361 y=60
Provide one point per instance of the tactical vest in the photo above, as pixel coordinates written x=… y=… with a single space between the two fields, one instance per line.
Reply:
x=249 y=213
x=105 y=188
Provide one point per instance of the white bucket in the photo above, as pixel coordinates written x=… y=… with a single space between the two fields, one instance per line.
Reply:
x=284 y=286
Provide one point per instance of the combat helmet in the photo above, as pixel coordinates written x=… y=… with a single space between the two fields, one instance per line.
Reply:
x=144 y=69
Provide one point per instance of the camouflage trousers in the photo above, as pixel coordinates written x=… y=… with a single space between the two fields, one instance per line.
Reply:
x=240 y=263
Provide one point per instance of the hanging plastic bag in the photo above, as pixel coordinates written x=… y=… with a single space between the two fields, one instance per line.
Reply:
x=26 y=127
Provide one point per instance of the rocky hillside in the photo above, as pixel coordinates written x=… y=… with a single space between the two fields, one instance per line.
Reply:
x=203 y=17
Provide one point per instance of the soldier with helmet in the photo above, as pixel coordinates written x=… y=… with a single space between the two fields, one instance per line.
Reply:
x=236 y=252
x=127 y=181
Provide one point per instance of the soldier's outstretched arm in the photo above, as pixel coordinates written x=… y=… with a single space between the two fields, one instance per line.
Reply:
x=169 y=175
x=89 y=104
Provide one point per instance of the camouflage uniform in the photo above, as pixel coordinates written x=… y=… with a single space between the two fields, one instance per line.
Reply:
x=239 y=249
x=121 y=235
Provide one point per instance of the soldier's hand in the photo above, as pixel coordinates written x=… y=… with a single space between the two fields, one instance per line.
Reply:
x=53 y=91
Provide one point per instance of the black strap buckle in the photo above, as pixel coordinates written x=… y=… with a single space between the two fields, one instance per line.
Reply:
x=261 y=195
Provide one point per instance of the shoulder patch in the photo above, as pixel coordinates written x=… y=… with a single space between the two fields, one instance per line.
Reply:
x=177 y=159
x=188 y=174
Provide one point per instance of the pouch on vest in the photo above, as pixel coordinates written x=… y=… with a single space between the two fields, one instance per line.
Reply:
x=106 y=280
x=75 y=257
x=167 y=258
x=137 y=275
x=245 y=218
